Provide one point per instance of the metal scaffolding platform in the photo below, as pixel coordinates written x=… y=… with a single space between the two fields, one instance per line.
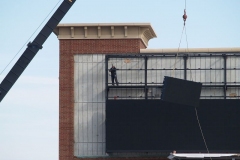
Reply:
x=140 y=75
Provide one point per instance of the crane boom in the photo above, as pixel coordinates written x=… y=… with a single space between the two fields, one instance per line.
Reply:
x=33 y=48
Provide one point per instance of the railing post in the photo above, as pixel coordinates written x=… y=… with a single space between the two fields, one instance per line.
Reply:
x=225 y=75
x=145 y=88
x=185 y=57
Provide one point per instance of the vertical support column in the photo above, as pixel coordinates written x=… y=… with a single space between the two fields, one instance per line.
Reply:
x=185 y=57
x=225 y=75
x=106 y=76
x=145 y=88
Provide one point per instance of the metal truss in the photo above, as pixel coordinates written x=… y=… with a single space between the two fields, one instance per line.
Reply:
x=147 y=85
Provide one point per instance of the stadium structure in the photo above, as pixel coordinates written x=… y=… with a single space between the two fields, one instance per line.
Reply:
x=129 y=120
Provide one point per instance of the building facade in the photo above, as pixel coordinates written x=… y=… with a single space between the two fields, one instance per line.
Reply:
x=87 y=51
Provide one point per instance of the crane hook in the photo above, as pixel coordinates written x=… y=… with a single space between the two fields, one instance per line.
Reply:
x=184 y=16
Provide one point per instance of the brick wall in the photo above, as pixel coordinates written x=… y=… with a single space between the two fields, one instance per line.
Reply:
x=68 y=48
x=142 y=45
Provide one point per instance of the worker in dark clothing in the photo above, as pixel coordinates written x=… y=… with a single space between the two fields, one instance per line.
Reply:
x=113 y=71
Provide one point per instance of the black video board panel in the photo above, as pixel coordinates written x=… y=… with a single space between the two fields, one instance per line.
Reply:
x=159 y=126
x=181 y=91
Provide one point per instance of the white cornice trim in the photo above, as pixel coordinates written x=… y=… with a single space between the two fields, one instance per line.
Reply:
x=143 y=31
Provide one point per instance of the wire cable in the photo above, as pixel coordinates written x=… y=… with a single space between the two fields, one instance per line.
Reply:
x=199 y=124
x=191 y=78
x=204 y=140
x=173 y=71
x=30 y=37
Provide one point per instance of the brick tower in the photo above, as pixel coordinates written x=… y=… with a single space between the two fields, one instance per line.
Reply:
x=81 y=78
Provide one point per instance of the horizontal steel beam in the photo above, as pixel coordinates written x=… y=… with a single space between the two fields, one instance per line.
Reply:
x=160 y=86
x=172 y=55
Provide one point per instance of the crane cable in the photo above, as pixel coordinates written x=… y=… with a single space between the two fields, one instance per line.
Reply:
x=184 y=19
x=204 y=140
x=184 y=28
x=176 y=57
x=199 y=124
x=189 y=61
x=30 y=37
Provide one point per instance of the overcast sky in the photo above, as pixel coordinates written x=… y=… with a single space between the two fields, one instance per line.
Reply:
x=29 y=112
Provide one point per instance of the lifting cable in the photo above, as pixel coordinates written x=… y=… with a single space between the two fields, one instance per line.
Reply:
x=173 y=71
x=184 y=19
x=30 y=37
x=204 y=140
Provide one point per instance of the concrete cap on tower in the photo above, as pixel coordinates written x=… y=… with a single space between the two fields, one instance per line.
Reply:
x=143 y=31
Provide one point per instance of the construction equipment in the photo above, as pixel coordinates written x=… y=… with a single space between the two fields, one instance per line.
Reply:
x=33 y=48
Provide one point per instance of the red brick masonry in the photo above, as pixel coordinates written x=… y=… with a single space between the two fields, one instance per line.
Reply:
x=68 y=48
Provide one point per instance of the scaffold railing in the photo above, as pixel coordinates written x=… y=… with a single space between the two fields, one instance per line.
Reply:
x=140 y=76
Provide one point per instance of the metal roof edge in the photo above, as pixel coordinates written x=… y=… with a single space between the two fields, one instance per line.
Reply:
x=190 y=50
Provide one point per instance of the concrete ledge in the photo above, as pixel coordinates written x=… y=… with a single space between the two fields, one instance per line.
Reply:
x=191 y=50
